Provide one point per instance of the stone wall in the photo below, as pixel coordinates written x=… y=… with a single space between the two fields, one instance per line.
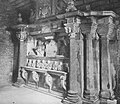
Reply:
x=6 y=57
x=7 y=18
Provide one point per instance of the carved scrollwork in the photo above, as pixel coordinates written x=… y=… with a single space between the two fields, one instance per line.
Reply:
x=63 y=81
x=24 y=74
x=35 y=76
x=49 y=80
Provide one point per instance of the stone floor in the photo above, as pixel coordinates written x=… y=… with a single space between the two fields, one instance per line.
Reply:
x=22 y=95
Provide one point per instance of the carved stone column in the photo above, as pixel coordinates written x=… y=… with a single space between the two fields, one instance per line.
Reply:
x=91 y=91
x=117 y=66
x=96 y=62
x=105 y=30
x=82 y=62
x=21 y=35
x=72 y=28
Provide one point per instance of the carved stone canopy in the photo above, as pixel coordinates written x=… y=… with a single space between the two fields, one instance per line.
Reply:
x=74 y=21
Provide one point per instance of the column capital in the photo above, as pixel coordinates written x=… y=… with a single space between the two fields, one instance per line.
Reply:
x=22 y=34
x=106 y=27
x=92 y=33
x=72 y=26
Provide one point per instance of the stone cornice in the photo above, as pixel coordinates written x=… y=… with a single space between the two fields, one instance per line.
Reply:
x=87 y=14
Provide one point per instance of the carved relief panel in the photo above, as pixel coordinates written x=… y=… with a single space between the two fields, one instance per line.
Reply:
x=43 y=8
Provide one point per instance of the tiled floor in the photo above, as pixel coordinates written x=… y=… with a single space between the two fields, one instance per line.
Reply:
x=22 y=95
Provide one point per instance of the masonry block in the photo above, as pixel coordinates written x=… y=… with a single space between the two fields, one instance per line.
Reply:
x=114 y=0
x=88 y=1
x=6 y=58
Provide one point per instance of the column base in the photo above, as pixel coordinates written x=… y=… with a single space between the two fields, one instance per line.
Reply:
x=72 y=98
x=19 y=82
x=105 y=94
x=91 y=95
x=112 y=101
x=101 y=101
